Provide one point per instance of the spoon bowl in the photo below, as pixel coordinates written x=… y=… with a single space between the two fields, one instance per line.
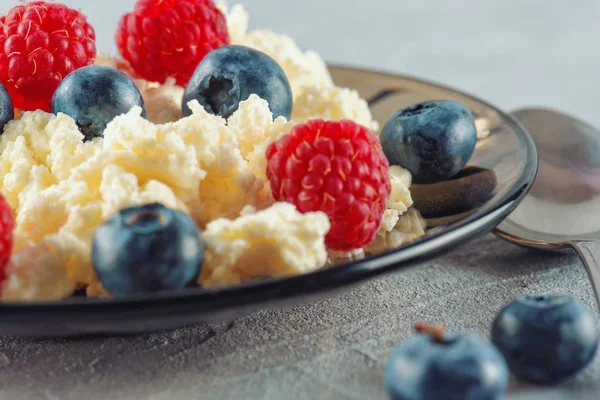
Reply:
x=561 y=210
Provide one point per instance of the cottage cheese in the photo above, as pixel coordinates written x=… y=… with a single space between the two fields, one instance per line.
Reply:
x=37 y=273
x=333 y=103
x=400 y=223
x=399 y=201
x=62 y=189
x=410 y=227
x=255 y=129
x=389 y=220
x=277 y=241
x=400 y=198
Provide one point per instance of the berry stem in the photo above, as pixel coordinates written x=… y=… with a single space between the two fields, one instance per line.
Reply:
x=436 y=332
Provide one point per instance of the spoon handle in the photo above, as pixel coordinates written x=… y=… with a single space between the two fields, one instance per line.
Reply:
x=589 y=252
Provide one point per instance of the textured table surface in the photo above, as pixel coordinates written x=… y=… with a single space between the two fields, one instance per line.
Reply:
x=333 y=349
x=511 y=52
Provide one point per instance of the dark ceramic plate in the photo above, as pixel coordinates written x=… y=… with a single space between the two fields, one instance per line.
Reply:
x=470 y=205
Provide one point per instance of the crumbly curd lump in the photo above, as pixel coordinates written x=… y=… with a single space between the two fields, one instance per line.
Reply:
x=62 y=188
x=277 y=241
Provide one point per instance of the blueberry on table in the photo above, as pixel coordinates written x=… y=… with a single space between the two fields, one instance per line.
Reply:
x=7 y=112
x=546 y=339
x=434 y=140
x=147 y=249
x=435 y=365
x=230 y=74
x=94 y=95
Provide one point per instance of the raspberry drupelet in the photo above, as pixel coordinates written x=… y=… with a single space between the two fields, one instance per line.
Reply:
x=336 y=167
x=41 y=43
x=7 y=224
x=169 y=38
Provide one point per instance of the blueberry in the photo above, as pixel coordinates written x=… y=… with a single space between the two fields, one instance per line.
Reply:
x=546 y=339
x=94 y=95
x=434 y=140
x=446 y=366
x=230 y=74
x=7 y=112
x=147 y=249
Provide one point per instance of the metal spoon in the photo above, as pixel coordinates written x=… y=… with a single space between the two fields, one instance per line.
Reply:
x=562 y=210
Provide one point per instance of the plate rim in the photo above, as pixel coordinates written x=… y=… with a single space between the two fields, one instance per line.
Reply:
x=214 y=300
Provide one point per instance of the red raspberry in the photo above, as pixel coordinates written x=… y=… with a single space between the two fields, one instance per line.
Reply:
x=337 y=167
x=40 y=44
x=7 y=223
x=169 y=38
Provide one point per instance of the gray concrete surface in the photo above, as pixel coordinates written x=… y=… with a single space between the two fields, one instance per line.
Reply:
x=333 y=349
x=510 y=52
